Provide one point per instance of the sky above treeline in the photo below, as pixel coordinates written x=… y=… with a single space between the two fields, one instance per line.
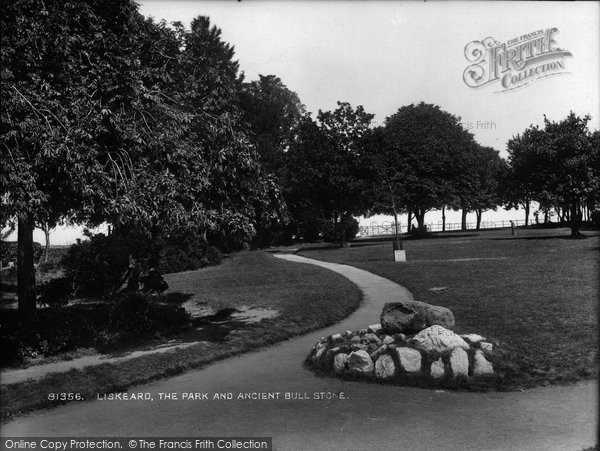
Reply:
x=384 y=55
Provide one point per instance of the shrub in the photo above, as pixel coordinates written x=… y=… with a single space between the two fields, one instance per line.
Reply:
x=186 y=252
x=173 y=259
x=96 y=265
x=138 y=313
x=154 y=283
x=55 y=292
x=345 y=230
x=349 y=227
x=8 y=252
x=214 y=256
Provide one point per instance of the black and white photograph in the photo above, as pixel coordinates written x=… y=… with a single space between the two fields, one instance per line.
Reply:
x=299 y=225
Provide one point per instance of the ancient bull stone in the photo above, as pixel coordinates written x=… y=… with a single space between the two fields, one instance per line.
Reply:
x=410 y=317
x=437 y=339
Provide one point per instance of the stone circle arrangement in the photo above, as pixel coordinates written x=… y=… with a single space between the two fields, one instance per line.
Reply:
x=414 y=344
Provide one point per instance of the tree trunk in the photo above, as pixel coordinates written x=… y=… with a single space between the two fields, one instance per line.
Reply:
x=47 y=247
x=443 y=219
x=337 y=229
x=420 y=216
x=463 y=221
x=398 y=245
x=398 y=241
x=478 y=213
x=575 y=219
x=527 y=205
x=409 y=221
x=546 y=216
x=25 y=269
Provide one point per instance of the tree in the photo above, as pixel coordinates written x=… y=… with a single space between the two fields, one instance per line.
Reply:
x=386 y=175
x=225 y=186
x=525 y=176
x=72 y=127
x=571 y=164
x=479 y=181
x=110 y=117
x=560 y=162
x=323 y=173
x=429 y=142
x=272 y=112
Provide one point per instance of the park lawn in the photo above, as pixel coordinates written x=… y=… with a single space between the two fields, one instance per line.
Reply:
x=535 y=295
x=307 y=298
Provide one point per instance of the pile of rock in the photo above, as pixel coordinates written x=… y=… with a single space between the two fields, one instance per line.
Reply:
x=413 y=341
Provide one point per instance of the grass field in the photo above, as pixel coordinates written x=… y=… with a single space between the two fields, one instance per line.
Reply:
x=306 y=298
x=535 y=294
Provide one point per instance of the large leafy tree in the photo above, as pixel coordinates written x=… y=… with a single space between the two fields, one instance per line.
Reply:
x=223 y=183
x=559 y=161
x=324 y=181
x=272 y=111
x=430 y=143
x=525 y=177
x=73 y=130
x=479 y=180
x=110 y=117
x=385 y=172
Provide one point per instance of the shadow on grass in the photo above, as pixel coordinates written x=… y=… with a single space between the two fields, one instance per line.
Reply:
x=364 y=242
x=177 y=298
x=545 y=237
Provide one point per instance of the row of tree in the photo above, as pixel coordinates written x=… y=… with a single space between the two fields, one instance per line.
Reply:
x=558 y=166
x=422 y=159
x=111 y=117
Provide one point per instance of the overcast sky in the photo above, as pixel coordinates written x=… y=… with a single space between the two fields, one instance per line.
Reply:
x=384 y=55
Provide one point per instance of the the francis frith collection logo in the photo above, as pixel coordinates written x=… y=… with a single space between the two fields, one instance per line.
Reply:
x=516 y=62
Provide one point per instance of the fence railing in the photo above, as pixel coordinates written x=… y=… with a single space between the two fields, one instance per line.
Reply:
x=387 y=228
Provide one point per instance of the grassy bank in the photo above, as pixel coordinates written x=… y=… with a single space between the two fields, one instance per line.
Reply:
x=305 y=297
x=536 y=294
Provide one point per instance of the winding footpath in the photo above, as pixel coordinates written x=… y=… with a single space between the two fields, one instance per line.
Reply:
x=371 y=417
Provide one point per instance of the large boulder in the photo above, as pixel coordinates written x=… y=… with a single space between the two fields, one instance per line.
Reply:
x=437 y=339
x=410 y=317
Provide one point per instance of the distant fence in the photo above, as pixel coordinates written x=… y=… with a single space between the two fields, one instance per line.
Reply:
x=387 y=228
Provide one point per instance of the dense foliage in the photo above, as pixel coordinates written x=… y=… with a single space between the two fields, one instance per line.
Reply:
x=110 y=117
x=323 y=179
x=558 y=165
x=8 y=252
x=423 y=159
